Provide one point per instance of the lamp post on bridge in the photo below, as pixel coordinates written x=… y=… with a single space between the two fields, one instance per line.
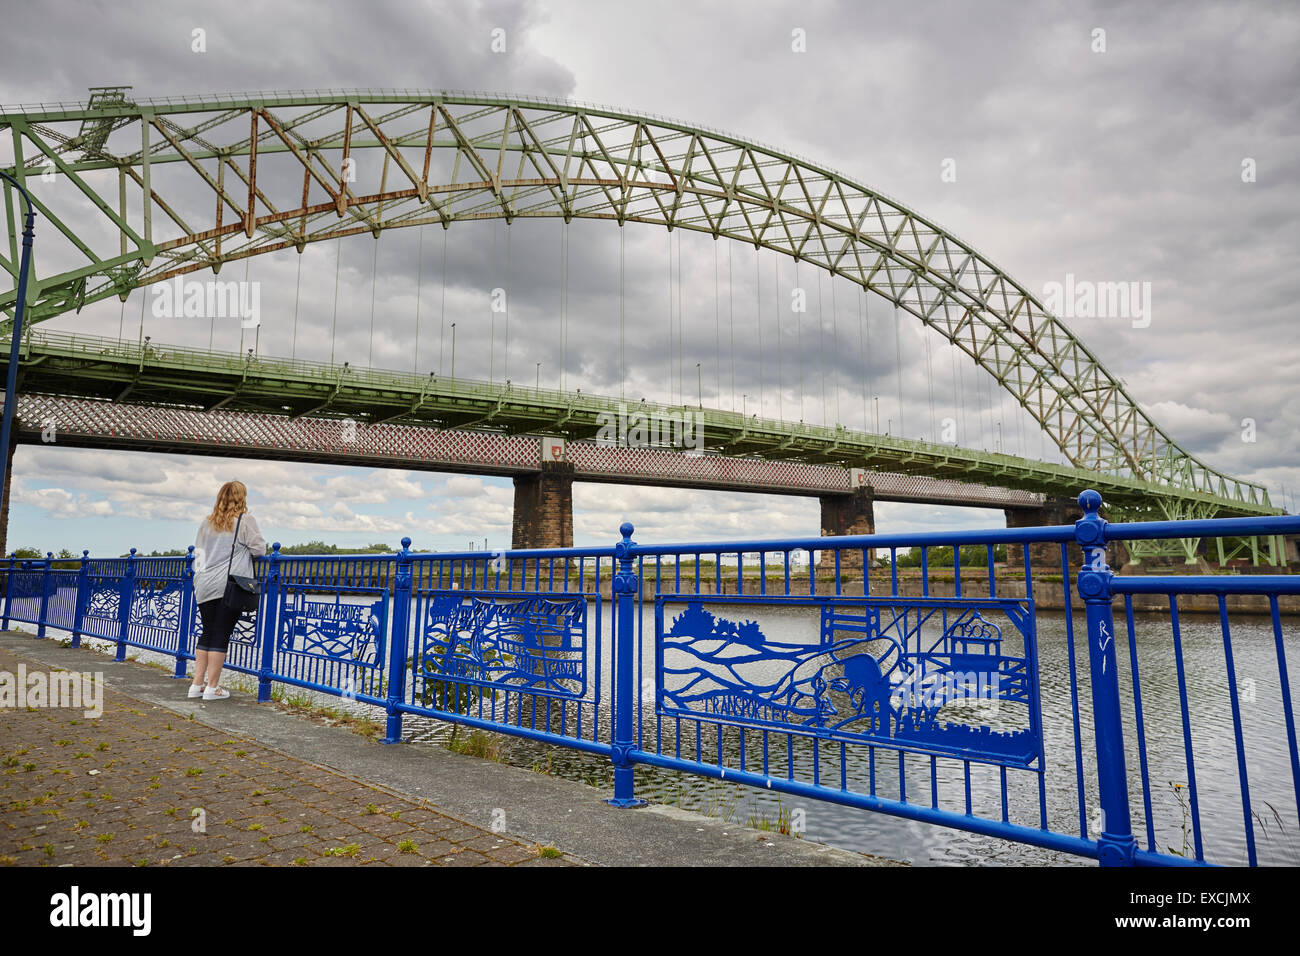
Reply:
x=15 y=346
x=453 y=351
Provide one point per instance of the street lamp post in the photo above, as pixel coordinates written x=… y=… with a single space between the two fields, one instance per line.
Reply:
x=699 y=384
x=453 y=351
x=16 y=335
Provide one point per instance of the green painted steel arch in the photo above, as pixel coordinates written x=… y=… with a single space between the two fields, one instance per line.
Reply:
x=279 y=170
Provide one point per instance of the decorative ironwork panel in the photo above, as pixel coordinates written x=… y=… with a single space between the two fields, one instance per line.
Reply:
x=244 y=634
x=334 y=630
x=102 y=617
x=157 y=605
x=529 y=642
x=155 y=614
x=25 y=595
x=929 y=675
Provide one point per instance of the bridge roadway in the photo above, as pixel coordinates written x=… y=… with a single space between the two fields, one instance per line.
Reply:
x=280 y=390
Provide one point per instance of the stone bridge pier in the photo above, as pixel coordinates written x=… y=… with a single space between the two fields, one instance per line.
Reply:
x=851 y=513
x=543 y=515
x=1045 y=557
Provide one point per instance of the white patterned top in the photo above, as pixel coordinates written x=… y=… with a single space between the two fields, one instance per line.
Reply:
x=212 y=554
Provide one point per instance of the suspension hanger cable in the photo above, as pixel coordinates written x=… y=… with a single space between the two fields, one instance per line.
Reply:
x=681 y=329
x=798 y=335
x=561 y=307
x=121 y=319
x=960 y=361
x=374 y=281
x=622 y=328
x=929 y=383
x=564 y=304
x=442 y=319
x=510 y=291
x=338 y=255
x=821 y=342
x=731 y=311
x=835 y=350
x=987 y=403
x=257 y=335
x=492 y=316
x=898 y=368
x=671 y=326
x=247 y=259
x=956 y=399
x=297 y=291
x=758 y=320
x=780 y=344
x=862 y=358
x=419 y=280
x=1002 y=418
x=717 y=321
x=1020 y=428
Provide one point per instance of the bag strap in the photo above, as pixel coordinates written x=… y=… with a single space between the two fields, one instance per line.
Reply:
x=231 y=562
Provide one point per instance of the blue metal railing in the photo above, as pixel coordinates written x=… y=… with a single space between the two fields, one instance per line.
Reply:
x=804 y=667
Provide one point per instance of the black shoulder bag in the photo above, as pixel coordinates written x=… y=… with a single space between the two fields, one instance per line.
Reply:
x=241 y=592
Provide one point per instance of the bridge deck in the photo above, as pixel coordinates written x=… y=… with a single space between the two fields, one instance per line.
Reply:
x=79 y=366
x=222 y=432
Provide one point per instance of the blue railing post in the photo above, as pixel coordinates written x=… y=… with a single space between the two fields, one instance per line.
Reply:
x=185 y=621
x=1116 y=844
x=125 y=603
x=267 y=616
x=83 y=597
x=397 y=652
x=47 y=582
x=625 y=586
x=9 y=587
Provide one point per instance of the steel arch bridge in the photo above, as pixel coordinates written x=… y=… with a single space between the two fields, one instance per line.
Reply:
x=276 y=169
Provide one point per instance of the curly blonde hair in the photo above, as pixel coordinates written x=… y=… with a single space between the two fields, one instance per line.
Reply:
x=232 y=501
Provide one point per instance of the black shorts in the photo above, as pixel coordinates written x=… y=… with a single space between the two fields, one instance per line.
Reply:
x=218 y=624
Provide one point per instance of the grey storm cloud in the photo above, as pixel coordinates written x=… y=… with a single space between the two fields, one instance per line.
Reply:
x=1115 y=166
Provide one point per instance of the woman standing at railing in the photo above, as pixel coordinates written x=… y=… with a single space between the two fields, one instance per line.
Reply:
x=226 y=543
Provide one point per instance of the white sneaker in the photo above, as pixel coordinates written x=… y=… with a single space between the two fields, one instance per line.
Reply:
x=216 y=693
x=196 y=690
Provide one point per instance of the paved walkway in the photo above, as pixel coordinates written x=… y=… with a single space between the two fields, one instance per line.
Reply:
x=279 y=789
x=146 y=786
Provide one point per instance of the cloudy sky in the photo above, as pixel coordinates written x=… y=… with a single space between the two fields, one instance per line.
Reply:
x=1122 y=164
